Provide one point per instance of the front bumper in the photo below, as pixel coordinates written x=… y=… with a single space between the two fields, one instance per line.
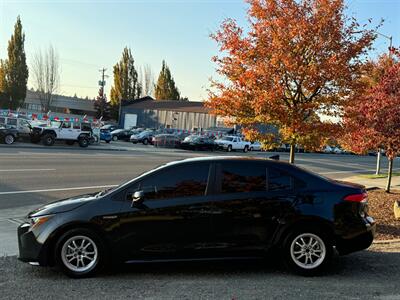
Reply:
x=359 y=242
x=30 y=250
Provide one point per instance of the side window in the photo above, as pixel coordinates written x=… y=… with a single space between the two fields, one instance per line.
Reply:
x=2 y=120
x=76 y=126
x=12 y=122
x=86 y=127
x=66 y=125
x=175 y=182
x=278 y=180
x=239 y=177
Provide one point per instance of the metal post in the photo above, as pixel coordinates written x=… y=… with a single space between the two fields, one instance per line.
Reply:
x=378 y=162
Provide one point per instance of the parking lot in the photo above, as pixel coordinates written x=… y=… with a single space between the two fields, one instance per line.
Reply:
x=33 y=176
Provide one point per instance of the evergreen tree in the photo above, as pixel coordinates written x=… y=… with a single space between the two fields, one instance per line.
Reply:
x=126 y=83
x=102 y=106
x=16 y=69
x=4 y=97
x=165 y=88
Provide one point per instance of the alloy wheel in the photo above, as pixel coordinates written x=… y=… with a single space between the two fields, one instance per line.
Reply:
x=308 y=251
x=9 y=139
x=79 y=254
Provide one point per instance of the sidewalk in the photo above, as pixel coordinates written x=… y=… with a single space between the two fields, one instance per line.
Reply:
x=374 y=183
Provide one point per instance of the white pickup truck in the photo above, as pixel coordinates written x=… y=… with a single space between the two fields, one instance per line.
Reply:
x=230 y=143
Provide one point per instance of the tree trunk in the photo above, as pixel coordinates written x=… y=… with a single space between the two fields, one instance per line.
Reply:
x=389 y=179
x=291 y=156
x=378 y=162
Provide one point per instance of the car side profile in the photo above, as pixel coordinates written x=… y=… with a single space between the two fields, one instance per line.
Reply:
x=203 y=208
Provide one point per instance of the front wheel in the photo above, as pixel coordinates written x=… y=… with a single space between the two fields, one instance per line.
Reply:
x=229 y=149
x=307 y=251
x=145 y=141
x=48 y=139
x=80 y=253
x=115 y=138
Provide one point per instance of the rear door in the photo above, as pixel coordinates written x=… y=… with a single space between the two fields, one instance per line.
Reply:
x=174 y=220
x=248 y=206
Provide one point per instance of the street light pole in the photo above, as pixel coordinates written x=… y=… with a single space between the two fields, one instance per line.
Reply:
x=378 y=159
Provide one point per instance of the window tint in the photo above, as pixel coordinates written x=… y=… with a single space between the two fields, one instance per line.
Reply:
x=76 y=125
x=12 y=122
x=66 y=125
x=239 y=177
x=181 y=181
x=278 y=180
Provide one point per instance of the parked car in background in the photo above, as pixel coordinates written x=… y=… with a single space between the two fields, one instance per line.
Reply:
x=144 y=137
x=231 y=142
x=110 y=127
x=105 y=135
x=70 y=132
x=22 y=125
x=203 y=208
x=8 y=135
x=121 y=134
x=166 y=140
x=196 y=142
x=255 y=146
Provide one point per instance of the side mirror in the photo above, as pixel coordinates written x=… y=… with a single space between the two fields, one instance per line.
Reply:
x=137 y=198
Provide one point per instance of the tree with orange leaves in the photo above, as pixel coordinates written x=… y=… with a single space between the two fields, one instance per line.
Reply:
x=372 y=118
x=299 y=60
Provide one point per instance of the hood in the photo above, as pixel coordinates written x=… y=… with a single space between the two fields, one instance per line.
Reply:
x=62 y=205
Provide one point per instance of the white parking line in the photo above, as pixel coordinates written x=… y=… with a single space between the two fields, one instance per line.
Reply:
x=26 y=170
x=58 y=190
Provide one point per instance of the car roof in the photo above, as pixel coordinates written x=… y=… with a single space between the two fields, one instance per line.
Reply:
x=226 y=158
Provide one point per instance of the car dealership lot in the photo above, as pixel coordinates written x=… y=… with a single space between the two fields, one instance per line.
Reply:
x=31 y=177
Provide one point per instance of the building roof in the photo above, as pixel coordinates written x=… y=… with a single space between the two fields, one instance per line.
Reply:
x=173 y=105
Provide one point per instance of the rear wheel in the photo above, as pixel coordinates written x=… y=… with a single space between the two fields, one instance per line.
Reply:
x=83 y=142
x=307 y=251
x=145 y=141
x=48 y=139
x=115 y=138
x=80 y=253
x=9 y=139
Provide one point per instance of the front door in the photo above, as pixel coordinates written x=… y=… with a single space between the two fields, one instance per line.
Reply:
x=174 y=219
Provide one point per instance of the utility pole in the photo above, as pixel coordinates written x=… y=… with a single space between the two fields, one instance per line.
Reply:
x=378 y=158
x=102 y=84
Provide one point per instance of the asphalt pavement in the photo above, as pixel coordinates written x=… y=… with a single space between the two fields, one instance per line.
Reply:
x=30 y=177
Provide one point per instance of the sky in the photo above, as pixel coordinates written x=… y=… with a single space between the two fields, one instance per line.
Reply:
x=90 y=35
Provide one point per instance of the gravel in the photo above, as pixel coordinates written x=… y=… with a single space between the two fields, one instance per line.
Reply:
x=363 y=275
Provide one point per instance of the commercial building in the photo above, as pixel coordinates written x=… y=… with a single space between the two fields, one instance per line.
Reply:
x=149 y=113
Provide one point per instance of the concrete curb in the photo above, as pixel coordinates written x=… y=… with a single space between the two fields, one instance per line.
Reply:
x=59 y=148
x=382 y=242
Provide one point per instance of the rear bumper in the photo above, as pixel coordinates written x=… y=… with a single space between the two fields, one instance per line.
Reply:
x=359 y=242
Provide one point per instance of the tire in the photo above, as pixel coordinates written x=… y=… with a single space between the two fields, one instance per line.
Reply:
x=115 y=138
x=78 y=262
x=83 y=142
x=70 y=142
x=48 y=139
x=246 y=149
x=251 y=149
x=9 y=139
x=229 y=149
x=299 y=259
x=145 y=141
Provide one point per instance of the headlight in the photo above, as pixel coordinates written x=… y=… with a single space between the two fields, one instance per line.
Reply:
x=37 y=221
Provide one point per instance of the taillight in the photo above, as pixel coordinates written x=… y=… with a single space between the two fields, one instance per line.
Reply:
x=362 y=197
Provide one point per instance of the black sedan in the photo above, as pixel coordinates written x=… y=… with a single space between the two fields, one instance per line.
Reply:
x=8 y=135
x=198 y=143
x=121 y=134
x=229 y=207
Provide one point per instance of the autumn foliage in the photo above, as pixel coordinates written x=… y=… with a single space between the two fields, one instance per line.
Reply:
x=372 y=117
x=296 y=61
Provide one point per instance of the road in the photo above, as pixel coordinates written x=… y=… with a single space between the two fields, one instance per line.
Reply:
x=32 y=177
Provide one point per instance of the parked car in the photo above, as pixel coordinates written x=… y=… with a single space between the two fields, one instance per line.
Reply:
x=8 y=135
x=230 y=143
x=105 y=135
x=203 y=208
x=144 y=137
x=22 y=125
x=121 y=134
x=166 y=140
x=70 y=132
x=196 y=142
x=110 y=127
x=255 y=146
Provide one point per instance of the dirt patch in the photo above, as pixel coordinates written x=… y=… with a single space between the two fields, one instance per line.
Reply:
x=381 y=209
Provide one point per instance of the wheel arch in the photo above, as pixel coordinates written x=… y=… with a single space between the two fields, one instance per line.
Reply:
x=47 y=131
x=48 y=254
